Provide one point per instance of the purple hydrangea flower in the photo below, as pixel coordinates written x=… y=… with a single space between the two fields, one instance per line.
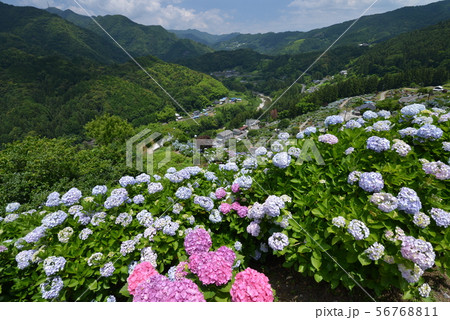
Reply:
x=35 y=235
x=204 y=202
x=339 y=222
x=328 y=139
x=429 y=132
x=183 y=193
x=278 y=241
x=401 y=147
x=354 y=177
x=71 y=197
x=408 y=132
x=369 y=115
x=254 y=229
x=53 y=265
x=371 y=181
x=408 y=201
x=386 y=202
x=97 y=190
x=107 y=270
x=412 y=110
x=358 y=229
x=51 y=287
x=13 y=206
x=154 y=187
x=441 y=217
x=353 y=124
x=53 y=200
x=421 y=219
x=139 y=199
x=438 y=169
x=54 y=219
x=281 y=160
x=333 y=120
x=418 y=251
x=375 y=251
x=378 y=144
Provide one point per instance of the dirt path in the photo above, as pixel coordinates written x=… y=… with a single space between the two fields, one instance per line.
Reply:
x=383 y=95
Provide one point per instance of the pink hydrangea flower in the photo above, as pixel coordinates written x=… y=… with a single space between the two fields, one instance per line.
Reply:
x=227 y=253
x=242 y=211
x=221 y=193
x=225 y=208
x=235 y=206
x=251 y=286
x=160 y=289
x=197 y=241
x=328 y=138
x=235 y=187
x=141 y=273
x=211 y=267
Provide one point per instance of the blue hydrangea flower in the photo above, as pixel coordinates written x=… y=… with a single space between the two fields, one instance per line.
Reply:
x=139 y=199
x=408 y=132
x=53 y=265
x=429 y=132
x=353 y=124
x=278 y=241
x=422 y=120
x=276 y=147
x=127 y=247
x=53 y=200
x=71 y=197
x=229 y=166
x=126 y=181
x=333 y=120
x=375 y=251
x=85 y=233
x=215 y=216
x=378 y=144
x=369 y=115
x=124 y=219
x=339 y=222
x=384 y=114
x=384 y=125
x=349 y=151
x=272 y=206
x=210 y=176
x=107 y=270
x=238 y=246
x=23 y=258
x=183 y=193
x=204 y=202
x=177 y=208
x=446 y=146
x=371 y=181
x=147 y=254
x=386 y=202
x=300 y=135
x=294 y=152
x=142 y=178
x=310 y=130
x=111 y=298
x=51 y=287
x=441 y=217
x=358 y=229
x=35 y=235
x=354 y=177
x=154 y=187
x=412 y=110
x=421 y=219
x=408 y=201
x=261 y=151
x=283 y=136
x=281 y=160
x=401 y=147
x=13 y=206
x=171 y=228
x=410 y=275
x=98 y=190
x=250 y=163
x=98 y=218
x=144 y=218
x=54 y=219
x=244 y=182
x=256 y=211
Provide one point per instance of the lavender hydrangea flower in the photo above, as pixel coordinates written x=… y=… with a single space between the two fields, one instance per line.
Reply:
x=127 y=247
x=371 y=181
x=429 y=132
x=98 y=218
x=117 y=198
x=111 y=298
x=210 y=176
x=272 y=206
x=408 y=132
x=229 y=166
x=354 y=177
x=139 y=199
x=378 y=144
x=281 y=160
x=107 y=270
x=276 y=146
x=375 y=251
x=422 y=120
x=300 y=135
x=328 y=139
x=353 y=124
x=333 y=120
x=446 y=146
x=124 y=219
x=339 y=222
x=53 y=200
x=11 y=217
x=23 y=258
x=238 y=246
x=441 y=217
x=283 y=136
x=254 y=229
x=349 y=151
x=142 y=178
x=384 y=114
x=386 y=202
x=412 y=110
x=126 y=181
x=71 y=197
x=369 y=115
x=358 y=229
x=408 y=201
x=51 y=287
x=13 y=206
x=35 y=235
x=147 y=254
x=410 y=275
x=444 y=118
x=244 y=182
x=310 y=130
x=98 y=190
x=53 y=265
x=85 y=233
x=261 y=151
x=418 y=251
x=171 y=228
x=144 y=218
x=154 y=187
x=278 y=241
x=204 y=202
x=421 y=219
x=294 y=152
x=177 y=208
x=183 y=193
x=54 y=219
x=438 y=169
x=215 y=216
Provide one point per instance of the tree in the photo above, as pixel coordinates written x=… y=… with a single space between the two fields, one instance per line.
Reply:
x=107 y=129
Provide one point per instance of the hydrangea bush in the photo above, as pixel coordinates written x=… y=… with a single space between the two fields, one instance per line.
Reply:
x=381 y=211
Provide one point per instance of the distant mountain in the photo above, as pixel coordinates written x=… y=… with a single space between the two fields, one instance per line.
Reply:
x=204 y=37
x=138 y=39
x=41 y=33
x=369 y=29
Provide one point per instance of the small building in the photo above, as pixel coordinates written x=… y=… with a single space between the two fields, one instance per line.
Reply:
x=225 y=135
x=343 y=72
x=252 y=124
x=237 y=132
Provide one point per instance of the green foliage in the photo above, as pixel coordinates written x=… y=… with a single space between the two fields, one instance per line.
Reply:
x=107 y=129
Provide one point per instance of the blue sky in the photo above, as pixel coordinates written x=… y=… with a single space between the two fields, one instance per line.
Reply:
x=225 y=16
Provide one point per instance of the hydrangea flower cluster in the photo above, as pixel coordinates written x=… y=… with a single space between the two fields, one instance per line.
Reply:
x=358 y=229
x=408 y=201
x=23 y=258
x=271 y=207
x=375 y=251
x=260 y=151
x=283 y=136
x=197 y=241
x=378 y=144
x=278 y=241
x=220 y=193
x=117 y=198
x=384 y=125
x=13 y=206
x=244 y=182
x=310 y=130
x=212 y=267
x=139 y=199
x=98 y=190
x=429 y=132
x=251 y=286
x=369 y=115
x=410 y=275
x=354 y=177
x=424 y=290
x=54 y=219
x=126 y=181
x=328 y=139
x=386 y=202
x=333 y=120
x=281 y=160
x=353 y=124
x=441 y=217
x=85 y=233
x=401 y=147
x=254 y=229
x=35 y=235
x=408 y=132
x=183 y=193
x=422 y=120
x=124 y=219
x=147 y=254
x=144 y=218
x=204 y=202
x=142 y=272
x=421 y=219
x=65 y=234
x=71 y=197
x=154 y=187
x=107 y=270
x=161 y=289
x=384 y=114
x=339 y=222
x=215 y=216
x=143 y=178
x=438 y=169
x=53 y=265
x=412 y=110
x=51 y=287
x=371 y=181
x=53 y=200
x=170 y=228
x=446 y=146
x=418 y=251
